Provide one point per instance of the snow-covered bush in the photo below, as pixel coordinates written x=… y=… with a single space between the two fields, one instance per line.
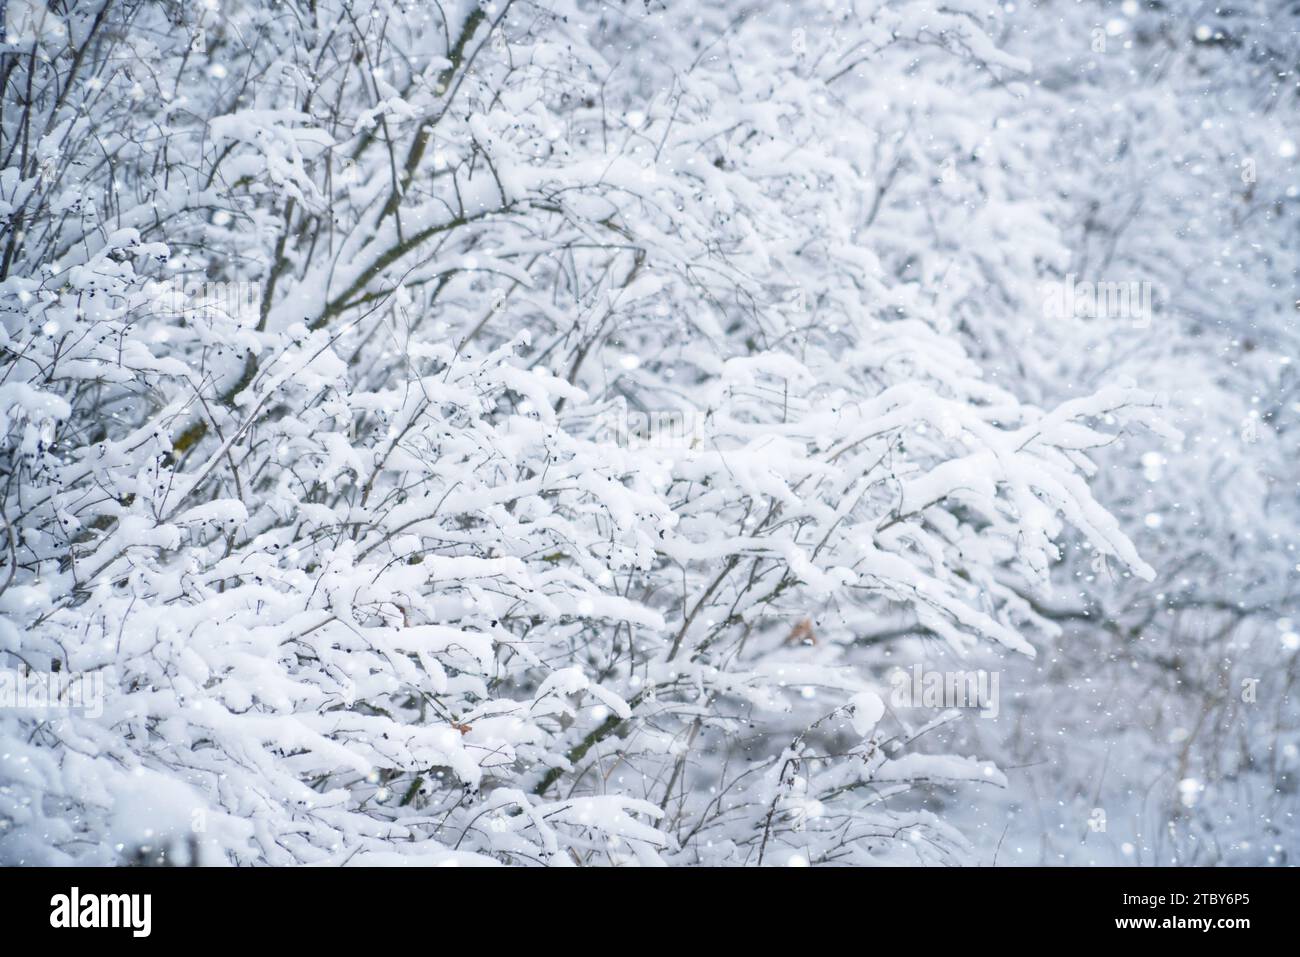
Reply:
x=1160 y=144
x=517 y=432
